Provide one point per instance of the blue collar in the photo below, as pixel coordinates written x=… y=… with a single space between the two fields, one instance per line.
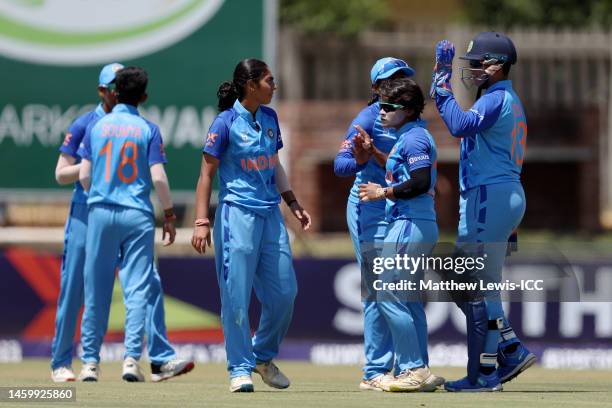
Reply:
x=505 y=84
x=415 y=123
x=242 y=111
x=122 y=107
x=100 y=110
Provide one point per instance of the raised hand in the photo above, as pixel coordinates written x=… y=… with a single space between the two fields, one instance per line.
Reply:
x=365 y=137
x=445 y=52
x=443 y=69
x=361 y=155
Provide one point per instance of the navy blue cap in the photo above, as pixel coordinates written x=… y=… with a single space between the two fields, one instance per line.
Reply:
x=491 y=44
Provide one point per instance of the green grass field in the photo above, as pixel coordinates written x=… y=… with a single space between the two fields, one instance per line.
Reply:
x=313 y=386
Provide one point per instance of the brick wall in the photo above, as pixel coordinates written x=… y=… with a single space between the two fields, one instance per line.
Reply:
x=560 y=176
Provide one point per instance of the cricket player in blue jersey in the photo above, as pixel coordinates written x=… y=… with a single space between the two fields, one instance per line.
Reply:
x=163 y=357
x=251 y=242
x=411 y=230
x=366 y=220
x=493 y=139
x=122 y=156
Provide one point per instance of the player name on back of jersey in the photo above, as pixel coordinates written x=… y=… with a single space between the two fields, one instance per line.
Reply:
x=120 y=131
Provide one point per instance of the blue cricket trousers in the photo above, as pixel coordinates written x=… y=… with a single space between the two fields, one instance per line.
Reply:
x=406 y=319
x=113 y=231
x=367 y=227
x=252 y=252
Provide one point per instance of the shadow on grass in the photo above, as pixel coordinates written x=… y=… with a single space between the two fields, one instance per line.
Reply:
x=433 y=393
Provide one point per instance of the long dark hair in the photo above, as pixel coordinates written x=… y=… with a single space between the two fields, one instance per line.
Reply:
x=247 y=69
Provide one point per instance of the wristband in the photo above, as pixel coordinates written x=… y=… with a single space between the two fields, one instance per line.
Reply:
x=381 y=192
x=169 y=214
x=291 y=202
x=202 y=222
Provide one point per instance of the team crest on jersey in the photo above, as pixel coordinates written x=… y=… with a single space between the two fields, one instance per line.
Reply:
x=211 y=138
x=270 y=133
x=67 y=139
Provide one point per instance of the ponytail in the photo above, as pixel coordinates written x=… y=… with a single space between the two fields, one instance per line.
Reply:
x=248 y=69
x=227 y=95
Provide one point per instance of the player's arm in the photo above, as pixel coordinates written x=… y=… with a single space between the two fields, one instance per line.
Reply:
x=364 y=142
x=84 y=151
x=156 y=160
x=283 y=186
x=217 y=142
x=415 y=150
x=201 y=231
x=481 y=116
x=162 y=187
x=420 y=180
x=66 y=171
x=85 y=174
x=351 y=157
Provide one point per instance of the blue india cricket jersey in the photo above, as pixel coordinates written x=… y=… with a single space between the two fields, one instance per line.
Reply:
x=121 y=147
x=73 y=140
x=246 y=148
x=415 y=149
x=383 y=139
x=494 y=136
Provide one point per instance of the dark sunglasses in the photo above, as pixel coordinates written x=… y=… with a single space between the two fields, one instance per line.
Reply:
x=391 y=107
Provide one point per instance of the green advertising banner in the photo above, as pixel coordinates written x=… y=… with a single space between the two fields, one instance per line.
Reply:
x=51 y=52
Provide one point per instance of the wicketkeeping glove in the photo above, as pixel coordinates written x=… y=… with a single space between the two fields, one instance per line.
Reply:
x=443 y=70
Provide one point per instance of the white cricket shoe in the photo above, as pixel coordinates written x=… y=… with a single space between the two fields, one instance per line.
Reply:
x=170 y=369
x=243 y=383
x=432 y=383
x=378 y=383
x=63 y=374
x=271 y=375
x=410 y=380
x=132 y=371
x=89 y=372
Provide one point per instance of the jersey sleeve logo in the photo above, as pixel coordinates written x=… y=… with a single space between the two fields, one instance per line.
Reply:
x=211 y=139
x=67 y=139
x=346 y=145
x=418 y=158
x=270 y=133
